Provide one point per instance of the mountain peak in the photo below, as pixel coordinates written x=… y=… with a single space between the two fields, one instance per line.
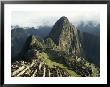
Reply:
x=30 y=42
x=63 y=20
x=64 y=35
x=33 y=39
x=61 y=25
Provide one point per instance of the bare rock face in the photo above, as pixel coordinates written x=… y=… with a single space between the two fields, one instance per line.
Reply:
x=65 y=35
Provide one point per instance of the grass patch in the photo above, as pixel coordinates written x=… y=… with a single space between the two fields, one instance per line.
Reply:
x=49 y=61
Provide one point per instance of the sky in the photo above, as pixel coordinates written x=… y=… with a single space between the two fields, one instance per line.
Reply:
x=42 y=15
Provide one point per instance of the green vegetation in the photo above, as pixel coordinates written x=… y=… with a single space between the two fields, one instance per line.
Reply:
x=48 y=60
x=83 y=67
x=49 y=43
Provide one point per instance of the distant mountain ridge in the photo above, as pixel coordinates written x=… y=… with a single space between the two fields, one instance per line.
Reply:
x=19 y=36
x=90 y=27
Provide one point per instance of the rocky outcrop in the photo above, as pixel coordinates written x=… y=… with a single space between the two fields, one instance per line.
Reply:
x=65 y=35
x=31 y=46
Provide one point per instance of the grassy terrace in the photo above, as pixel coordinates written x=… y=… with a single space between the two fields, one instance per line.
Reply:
x=50 y=61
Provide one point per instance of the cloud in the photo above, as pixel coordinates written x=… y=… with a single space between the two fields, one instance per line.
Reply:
x=49 y=14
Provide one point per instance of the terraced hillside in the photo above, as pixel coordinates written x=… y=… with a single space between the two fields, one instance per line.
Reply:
x=37 y=69
x=40 y=66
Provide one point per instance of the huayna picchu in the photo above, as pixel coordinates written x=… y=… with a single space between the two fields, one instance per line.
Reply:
x=60 y=54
